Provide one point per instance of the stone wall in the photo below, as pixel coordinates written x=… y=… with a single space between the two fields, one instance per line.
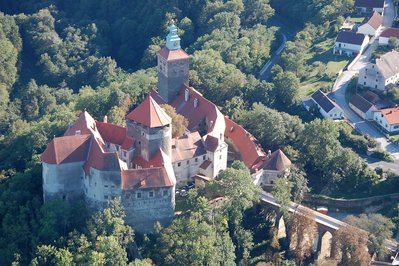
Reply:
x=149 y=140
x=101 y=186
x=143 y=210
x=62 y=181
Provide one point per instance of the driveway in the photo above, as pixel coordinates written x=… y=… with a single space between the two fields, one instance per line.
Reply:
x=287 y=33
x=341 y=85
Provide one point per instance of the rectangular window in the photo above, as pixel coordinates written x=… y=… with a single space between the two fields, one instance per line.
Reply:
x=204 y=157
x=138 y=195
x=165 y=192
x=151 y=194
x=105 y=185
x=178 y=164
x=196 y=159
x=105 y=197
x=124 y=153
x=117 y=147
x=188 y=161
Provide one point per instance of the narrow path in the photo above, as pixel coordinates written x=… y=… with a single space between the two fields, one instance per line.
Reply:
x=287 y=33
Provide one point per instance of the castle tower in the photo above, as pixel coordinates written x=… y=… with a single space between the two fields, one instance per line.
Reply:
x=151 y=129
x=173 y=67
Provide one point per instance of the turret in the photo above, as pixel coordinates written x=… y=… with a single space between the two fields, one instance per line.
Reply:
x=151 y=128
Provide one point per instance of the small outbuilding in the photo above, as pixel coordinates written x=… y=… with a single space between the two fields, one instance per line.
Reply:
x=362 y=107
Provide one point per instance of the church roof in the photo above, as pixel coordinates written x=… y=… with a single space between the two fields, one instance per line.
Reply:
x=277 y=161
x=173 y=54
x=150 y=114
x=67 y=149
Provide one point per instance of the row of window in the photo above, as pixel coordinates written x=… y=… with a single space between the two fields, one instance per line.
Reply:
x=195 y=159
x=151 y=194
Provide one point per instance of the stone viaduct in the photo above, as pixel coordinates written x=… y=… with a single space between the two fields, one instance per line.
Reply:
x=326 y=226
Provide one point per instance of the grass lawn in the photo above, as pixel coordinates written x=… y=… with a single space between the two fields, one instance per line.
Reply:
x=394 y=137
x=355 y=19
x=322 y=51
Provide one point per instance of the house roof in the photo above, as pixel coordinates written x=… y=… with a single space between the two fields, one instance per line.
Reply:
x=113 y=133
x=277 y=161
x=150 y=114
x=370 y=3
x=391 y=115
x=371 y=97
x=146 y=178
x=188 y=146
x=101 y=160
x=67 y=149
x=390 y=32
x=388 y=64
x=350 y=37
x=205 y=164
x=205 y=111
x=360 y=103
x=246 y=144
x=211 y=143
x=374 y=20
x=173 y=54
x=323 y=101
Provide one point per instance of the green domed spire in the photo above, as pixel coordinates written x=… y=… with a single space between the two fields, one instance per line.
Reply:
x=172 y=39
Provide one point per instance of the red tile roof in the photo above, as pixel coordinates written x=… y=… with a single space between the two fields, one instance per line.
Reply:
x=150 y=114
x=374 y=20
x=277 y=161
x=173 y=54
x=391 y=115
x=205 y=111
x=100 y=160
x=156 y=161
x=246 y=144
x=146 y=178
x=390 y=32
x=115 y=134
x=67 y=149
x=85 y=124
x=205 y=164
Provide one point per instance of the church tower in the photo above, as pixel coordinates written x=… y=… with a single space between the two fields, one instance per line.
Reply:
x=173 y=66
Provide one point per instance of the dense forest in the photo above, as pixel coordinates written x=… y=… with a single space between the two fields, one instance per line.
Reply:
x=59 y=58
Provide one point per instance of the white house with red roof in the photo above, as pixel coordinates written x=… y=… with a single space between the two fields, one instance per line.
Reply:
x=142 y=164
x=388 y=34
x=371 y=25
x=388 y=119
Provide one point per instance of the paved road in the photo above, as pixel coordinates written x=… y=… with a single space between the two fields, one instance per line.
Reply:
x=341 y=85
x=387 y=166
x=288 y=34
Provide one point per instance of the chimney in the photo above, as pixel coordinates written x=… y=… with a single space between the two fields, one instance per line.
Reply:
x=78 y=132
x=186 y=95
x=195 y=103
x=105 y=119
x=269 y=153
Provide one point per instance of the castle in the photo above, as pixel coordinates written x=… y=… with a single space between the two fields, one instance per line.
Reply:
x=142 y=164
